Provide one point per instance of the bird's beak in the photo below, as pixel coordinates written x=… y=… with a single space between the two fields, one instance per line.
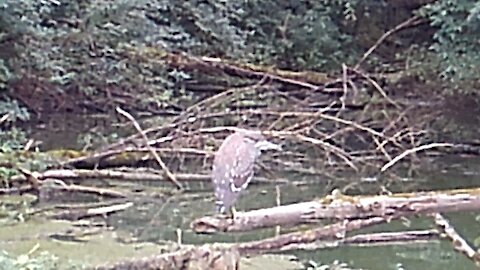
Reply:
x=266 y=145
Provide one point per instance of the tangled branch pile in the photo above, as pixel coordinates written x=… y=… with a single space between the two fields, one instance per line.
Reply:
x=348 y=123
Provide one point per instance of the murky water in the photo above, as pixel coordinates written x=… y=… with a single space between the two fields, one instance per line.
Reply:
x=156 y=220
x=159 y=220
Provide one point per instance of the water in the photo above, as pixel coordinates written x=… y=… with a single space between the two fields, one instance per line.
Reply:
x=155 y=220
x=179 y=211
x=157 y=217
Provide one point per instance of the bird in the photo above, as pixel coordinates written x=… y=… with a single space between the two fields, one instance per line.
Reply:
x=233 y=166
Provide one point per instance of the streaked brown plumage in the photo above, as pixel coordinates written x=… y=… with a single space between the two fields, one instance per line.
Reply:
x=233 y=165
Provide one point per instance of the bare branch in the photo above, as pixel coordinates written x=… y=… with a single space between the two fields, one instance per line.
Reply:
x=164 y=167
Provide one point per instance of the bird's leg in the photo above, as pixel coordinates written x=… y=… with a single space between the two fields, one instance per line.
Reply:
x=234 y=212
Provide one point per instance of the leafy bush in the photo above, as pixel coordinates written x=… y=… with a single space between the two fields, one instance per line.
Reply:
x=456 y=38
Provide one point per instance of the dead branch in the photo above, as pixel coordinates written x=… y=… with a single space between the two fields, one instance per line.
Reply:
x=39 y=182
x=371 y=239
x=414 y=150
x=215 y=65
x=4 y=118
x=59 y=185
x=415 y=20
x=137 y=175
x=344 y=207
x=15 y=190
x=76 y=214
x=376 y=86
x=218 y=98
x=391 y=238
x=157 y=157
x=290 y=240
x=227 y=256
x=459 y=244
x=108 y=157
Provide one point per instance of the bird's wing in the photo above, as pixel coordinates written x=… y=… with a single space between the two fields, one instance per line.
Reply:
x=242 y=170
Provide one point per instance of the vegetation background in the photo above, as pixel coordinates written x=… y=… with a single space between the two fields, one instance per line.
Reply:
x=70 y=56
x=64 y=63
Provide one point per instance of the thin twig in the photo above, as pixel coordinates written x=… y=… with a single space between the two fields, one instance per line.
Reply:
x=413 y=151
x=336 y=150
x=164 y=167
x=62 y=186
x=415 y=20
x=4 y=118
x=377 y=86
x=302 y=114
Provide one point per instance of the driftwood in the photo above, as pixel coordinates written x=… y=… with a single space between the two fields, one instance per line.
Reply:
x=80 y=174
x=459 y=244
x=281 y=243
x=76 y=214
x=127 y=155
x=293 y=240
x=227 y=256
x=43 y=182
x=137 y=175
x=342 y=207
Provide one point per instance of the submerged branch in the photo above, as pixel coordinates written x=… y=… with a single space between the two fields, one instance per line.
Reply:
x=76 y=214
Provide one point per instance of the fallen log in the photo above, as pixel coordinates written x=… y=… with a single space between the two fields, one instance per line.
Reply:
x=137 y=175
x=343 y=207
x=227 y=256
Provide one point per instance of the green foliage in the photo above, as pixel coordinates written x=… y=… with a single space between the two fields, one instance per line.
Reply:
x=300 y=34
x=85 y=46
x=14 y=110
x=456 y=38
x=81 y=44
x=12 y=139
x=5 y=74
